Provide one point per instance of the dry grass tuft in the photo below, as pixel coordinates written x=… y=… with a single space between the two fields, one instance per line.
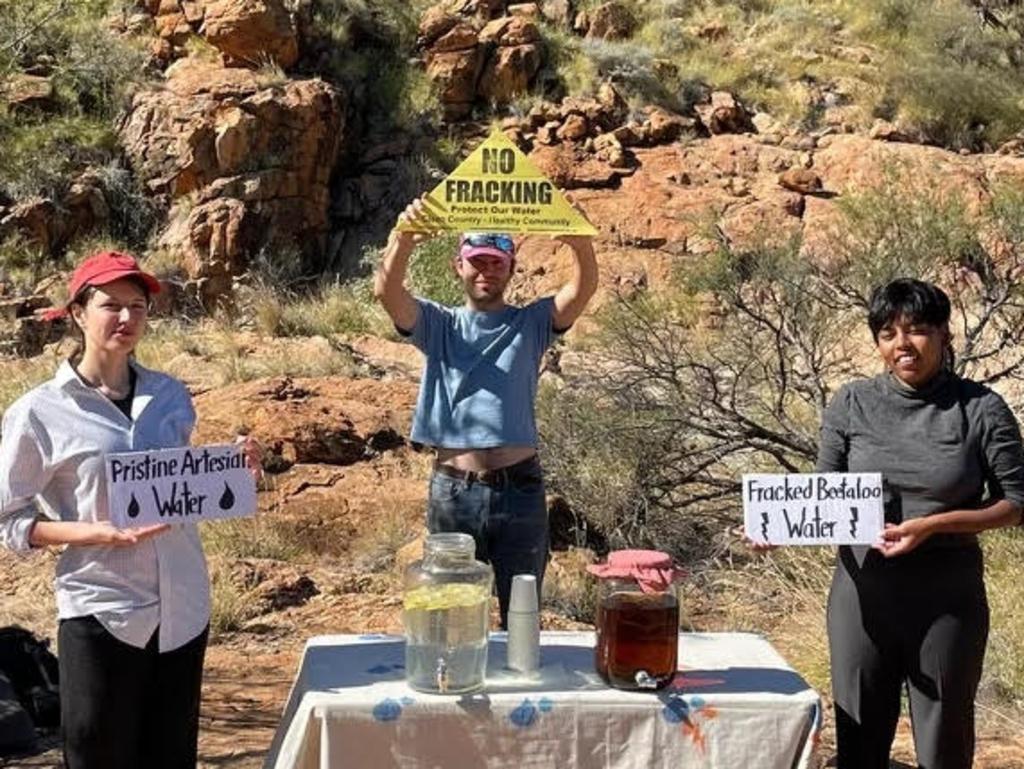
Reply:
x=230 y=605
x=568 y=588
x=18 y=376
x=218 y=353
x=334 y=308
x=375 y=550
x=1004 y=663
x=255 y=537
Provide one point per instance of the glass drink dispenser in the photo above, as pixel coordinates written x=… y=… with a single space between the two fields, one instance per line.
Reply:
x=637 y=619
x=446 y=612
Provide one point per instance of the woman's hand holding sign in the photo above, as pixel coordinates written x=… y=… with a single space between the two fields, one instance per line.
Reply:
x=758 y=547
x=897 y=539
x=82 y=533
x=108 y=534
x=253 y=451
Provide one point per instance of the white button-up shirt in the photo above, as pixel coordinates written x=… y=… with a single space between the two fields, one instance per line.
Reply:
x=52 y=465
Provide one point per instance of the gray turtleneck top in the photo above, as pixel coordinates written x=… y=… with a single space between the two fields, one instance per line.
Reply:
x=950 y=445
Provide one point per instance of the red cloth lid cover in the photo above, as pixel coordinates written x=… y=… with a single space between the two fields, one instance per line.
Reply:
x=652 y=569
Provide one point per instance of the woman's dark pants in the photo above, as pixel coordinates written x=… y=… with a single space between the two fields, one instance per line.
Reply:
x=124 y=707
x=920 y=619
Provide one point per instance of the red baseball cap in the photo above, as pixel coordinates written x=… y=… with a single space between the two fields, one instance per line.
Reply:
x=106 y=267
x=99 y=269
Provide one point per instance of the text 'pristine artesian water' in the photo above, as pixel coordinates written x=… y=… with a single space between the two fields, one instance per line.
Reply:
x=446 y=637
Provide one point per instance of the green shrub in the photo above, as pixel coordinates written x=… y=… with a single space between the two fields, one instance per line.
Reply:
x=96 y=70
x=132 y=213
x=22 y=262
x=953 y=105
x=364 y=47
x=431 y=273
x=90 y=67
x=934 y=65
x=591 y=456
x=39 y=156
x=943 y=71
x=630 y=65
x=92 y=70
x=566 y=67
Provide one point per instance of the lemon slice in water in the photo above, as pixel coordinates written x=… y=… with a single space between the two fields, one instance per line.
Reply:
x=451 y=596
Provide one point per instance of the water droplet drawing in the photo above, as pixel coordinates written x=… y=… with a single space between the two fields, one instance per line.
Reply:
x=133 y=507
x=227 y=499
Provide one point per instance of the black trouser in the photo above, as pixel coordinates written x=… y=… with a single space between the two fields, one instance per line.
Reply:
x=124 y=707
x=919 y=619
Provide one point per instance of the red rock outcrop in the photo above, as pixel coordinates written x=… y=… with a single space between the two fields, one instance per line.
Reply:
x=27 y=92
x=611 y=21
x=471 y=58
x=238 y=159
x=657 y=216
x=724 y=115
x=332 y=420
x=50 y=224
x=248 y=33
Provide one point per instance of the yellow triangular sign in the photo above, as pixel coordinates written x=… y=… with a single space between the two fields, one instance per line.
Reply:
x=499 y=189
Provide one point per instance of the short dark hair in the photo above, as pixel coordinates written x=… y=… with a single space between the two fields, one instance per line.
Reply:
x=915 y=300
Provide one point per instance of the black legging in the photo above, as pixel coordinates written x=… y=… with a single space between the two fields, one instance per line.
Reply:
x=921 y=618
x=124 y=707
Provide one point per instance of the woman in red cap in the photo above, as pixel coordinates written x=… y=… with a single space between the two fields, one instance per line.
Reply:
x=134 y=604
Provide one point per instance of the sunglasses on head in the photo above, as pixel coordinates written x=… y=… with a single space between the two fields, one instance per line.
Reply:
x=500 y=242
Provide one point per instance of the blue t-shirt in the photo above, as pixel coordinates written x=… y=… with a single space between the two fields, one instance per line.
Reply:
x=480 y=377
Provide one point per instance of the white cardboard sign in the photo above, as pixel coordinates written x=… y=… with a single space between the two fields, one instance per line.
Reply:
x=194 y=483
x=813 y=508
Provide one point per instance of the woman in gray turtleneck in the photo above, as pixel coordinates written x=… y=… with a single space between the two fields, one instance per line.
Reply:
x=913 y=609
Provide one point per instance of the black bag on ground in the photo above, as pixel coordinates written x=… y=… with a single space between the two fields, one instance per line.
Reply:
x=32 y=670
x=17 y=735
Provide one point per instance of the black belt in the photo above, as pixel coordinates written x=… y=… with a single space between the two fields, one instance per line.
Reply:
x=526 y=468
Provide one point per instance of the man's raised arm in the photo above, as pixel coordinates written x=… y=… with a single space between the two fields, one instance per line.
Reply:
x=389 y=282
x=572 y=298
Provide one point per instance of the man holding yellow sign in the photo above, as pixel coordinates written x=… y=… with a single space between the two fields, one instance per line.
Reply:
x=476 y=400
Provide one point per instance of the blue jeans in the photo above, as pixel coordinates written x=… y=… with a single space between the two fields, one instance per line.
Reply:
x=508 y=521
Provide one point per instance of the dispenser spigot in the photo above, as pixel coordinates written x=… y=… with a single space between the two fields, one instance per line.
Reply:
x=441 y=675
x=645 y=680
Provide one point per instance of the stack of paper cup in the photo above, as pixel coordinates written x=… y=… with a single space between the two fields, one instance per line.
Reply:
x=524 y=625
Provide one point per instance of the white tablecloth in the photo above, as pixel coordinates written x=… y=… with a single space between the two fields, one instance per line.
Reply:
x=735 y=703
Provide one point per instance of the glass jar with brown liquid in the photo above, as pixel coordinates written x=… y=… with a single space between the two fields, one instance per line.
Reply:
x=637 y=621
